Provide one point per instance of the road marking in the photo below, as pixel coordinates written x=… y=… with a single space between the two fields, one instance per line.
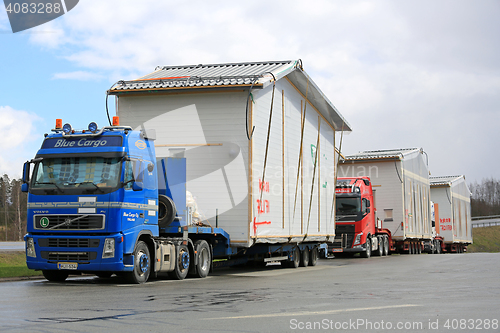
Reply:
x=309 y=313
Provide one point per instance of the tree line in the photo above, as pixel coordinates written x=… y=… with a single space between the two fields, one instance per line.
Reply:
x=12 y=209
x=485 y=201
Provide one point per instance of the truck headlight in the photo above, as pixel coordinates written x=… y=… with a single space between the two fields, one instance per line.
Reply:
x=109 y=248
x=30 y=248
x=358 y=238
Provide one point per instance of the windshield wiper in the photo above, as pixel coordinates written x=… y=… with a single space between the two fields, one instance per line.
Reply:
x=96 y=186
x=50 y=183
x=68 y=222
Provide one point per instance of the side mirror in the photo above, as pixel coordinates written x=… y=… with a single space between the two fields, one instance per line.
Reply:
x=26 y=172
x=137 y=186
x=367 y=203
x=24 y=187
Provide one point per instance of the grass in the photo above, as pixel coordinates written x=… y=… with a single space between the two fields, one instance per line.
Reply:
x=486 y=239
x=13 y=264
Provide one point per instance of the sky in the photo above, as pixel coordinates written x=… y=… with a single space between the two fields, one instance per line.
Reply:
x=403 y=73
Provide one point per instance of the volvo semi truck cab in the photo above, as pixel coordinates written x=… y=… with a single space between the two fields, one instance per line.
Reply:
x=357 y=229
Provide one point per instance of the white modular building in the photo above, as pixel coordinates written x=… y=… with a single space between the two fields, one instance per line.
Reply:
x=452 y=195
x=400 y=182
x=259 y=144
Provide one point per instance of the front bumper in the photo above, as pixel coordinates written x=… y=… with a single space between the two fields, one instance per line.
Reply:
x=83 y=250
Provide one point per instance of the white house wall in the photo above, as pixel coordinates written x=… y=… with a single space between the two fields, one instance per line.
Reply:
x=209 y=130
x=290 y=214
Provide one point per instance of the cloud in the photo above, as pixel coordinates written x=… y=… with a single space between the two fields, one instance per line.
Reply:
x=78 y=75
x=18 y=130
x=402 y=73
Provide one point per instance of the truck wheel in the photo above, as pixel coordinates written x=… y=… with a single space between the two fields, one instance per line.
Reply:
x=380 y=250
x=368 y=252
x=55 y=276
x=166 y=211
x=410 y=249
x=313 y=256
x=438 y=247
x=204 y=259
x=181 y=263
x=142 y=264
x=304 y=257
x=386 y=245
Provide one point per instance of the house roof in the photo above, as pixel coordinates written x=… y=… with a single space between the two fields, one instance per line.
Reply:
x=248 y=75
x=382 y=154
x=444 y=180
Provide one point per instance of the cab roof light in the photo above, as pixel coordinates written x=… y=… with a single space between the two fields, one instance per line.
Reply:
x=67 y=129
x=58 y=124
x=116 y=121
x=93 y=127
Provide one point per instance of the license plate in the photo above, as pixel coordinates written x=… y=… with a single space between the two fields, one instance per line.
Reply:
x=67 y=265
x=337 y=250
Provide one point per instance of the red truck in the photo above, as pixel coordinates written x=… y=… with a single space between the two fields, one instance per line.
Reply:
x=357 y=229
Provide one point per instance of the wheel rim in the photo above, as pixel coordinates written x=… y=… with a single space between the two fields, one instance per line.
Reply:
x=143 y=262
x=204 y=259
x=184 y=259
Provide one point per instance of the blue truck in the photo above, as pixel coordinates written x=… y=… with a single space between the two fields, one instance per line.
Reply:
x=101 y=202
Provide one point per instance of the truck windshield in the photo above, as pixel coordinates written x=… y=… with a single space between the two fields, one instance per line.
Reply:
x=348 y=206
x=90 y=174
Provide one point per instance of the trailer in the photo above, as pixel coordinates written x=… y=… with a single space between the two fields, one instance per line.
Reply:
x=235 y=162
x=401 y=194
x=453 y=224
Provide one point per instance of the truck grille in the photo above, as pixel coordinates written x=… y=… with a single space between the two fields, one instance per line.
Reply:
x=89 y=222
x=68 y=256
x=68 y=242
x=344 y=235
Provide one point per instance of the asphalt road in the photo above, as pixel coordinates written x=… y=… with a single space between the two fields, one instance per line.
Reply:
x=11 y=246
x=399 y=293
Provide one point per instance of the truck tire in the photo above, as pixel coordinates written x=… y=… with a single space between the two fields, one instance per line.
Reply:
x=203 y=259
x=304 y=257
x=182 y=261
x=166 y=211
x=386 y=245
x=55 y=276
x=380 y=250
x=313 y=256
x=368 y=252
x=142 y=264
x=295 y=260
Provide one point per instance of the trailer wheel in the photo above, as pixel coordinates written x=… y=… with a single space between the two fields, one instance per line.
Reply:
x=313 y=256
x=142 y=264
x=55 y=276
x=181 y=263
x=368 y=252
x=295 y=260
x=166 y=211
x=204 y=259
x=304 y=257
